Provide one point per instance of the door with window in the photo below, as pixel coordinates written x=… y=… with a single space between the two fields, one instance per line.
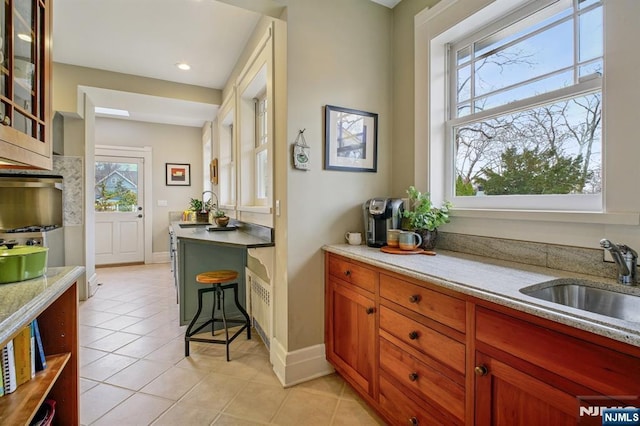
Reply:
x=119 y=215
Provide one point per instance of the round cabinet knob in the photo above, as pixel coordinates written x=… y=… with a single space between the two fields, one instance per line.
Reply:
x=413 y=421
x=481 y=370
x=413 y=376
x=414 y=335
x=370 y=310
x=414 y=298
x=347 y=272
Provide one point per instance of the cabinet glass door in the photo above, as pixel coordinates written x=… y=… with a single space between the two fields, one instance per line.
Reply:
x=27 y=23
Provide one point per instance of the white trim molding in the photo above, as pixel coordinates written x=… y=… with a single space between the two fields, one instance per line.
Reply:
x=299 y=366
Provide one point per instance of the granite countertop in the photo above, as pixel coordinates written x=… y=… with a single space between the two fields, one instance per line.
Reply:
x=498 y=282
x=245 y=235
x=21 y=301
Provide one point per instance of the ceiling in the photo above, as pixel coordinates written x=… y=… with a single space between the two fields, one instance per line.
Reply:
x=148 y=38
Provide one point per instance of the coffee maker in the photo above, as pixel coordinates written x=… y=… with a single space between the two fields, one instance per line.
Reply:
x=381 y=214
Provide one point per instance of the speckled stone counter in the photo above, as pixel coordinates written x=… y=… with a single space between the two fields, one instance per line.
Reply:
x=499 y=282
x=241 y=237
x=23 y=300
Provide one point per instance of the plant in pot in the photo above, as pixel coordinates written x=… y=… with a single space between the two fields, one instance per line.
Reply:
x=423 y=217
x=201 y=209
x=221 y=218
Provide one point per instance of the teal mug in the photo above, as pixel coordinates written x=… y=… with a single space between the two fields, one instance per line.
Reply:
x=408 y=240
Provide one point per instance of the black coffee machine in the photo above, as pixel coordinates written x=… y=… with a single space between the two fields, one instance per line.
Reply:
x=381 y=214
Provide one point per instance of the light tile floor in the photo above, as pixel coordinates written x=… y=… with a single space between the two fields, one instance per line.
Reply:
x=133 y=370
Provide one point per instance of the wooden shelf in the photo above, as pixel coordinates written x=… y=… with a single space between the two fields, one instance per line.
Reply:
x=19 y=407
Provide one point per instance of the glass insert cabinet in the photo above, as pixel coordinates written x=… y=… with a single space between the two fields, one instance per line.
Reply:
x=25 y=59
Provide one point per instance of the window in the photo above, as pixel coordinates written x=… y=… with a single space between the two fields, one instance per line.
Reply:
x=524 y=125
x=261 y=151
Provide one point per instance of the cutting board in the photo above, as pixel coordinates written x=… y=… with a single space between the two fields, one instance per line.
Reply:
x=396 y=250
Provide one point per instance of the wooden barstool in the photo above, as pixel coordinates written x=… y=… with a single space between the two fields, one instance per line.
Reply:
x=220 y=281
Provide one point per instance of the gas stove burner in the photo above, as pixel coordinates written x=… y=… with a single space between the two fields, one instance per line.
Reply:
x=31 y=228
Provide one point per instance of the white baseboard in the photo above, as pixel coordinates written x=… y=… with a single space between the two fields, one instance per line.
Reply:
x=298 y=366
x=92 y=285
x=160 y=257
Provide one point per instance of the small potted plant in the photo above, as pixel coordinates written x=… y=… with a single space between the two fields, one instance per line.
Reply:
x=424 y=218
x=201 y=209
x=221 y=218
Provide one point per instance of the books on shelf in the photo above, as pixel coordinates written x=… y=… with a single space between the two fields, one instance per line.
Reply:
x=39 y=357
x=9 y=368
x=21 y=358
x=22 y=355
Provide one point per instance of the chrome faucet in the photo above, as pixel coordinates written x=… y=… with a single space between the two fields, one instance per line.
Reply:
x=626 y=258
x=214 y=195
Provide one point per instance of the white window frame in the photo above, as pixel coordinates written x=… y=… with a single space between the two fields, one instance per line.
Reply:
x=262 y=144
x=227 y=154
x=452 y=20
x=556 y=202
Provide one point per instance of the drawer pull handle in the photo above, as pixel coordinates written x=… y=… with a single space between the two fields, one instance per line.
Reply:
x=370 y=310
x=413 y=376
x=413 y=421
x=481 y=370
x=414 y=298
x=414 y=335
x=347 y=272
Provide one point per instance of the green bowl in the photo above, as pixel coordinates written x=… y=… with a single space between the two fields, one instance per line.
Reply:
x=22 y=263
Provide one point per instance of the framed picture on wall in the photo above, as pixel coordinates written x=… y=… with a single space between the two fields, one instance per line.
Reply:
x=178 y=174
x=351 y=140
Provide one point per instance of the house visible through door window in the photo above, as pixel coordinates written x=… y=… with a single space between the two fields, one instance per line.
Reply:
x=116 y=188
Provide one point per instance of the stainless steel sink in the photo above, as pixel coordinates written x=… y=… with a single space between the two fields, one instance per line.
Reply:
x=618 y=302
x=194 y=225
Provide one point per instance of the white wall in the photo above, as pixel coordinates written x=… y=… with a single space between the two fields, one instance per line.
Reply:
x=339 y=53
x=169 y=144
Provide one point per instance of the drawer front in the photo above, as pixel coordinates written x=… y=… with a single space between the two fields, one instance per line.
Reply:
x=422 y=379
x=364 y=278
x=403 y=410
x=437 y=306
x=594 y=366
x=438 y=346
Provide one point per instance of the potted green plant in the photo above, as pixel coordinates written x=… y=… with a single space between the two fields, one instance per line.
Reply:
x=423 y=217
x=201 y=209
x=220 y=218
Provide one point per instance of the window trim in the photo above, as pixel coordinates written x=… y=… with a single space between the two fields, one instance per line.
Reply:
x=447 y=21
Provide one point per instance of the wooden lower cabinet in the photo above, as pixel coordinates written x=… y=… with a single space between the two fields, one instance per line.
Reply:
x=351 y=328
x=420 y=355
x=505 y=396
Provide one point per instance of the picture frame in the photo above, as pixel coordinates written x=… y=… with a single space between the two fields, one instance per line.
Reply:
x=178 y=174
x=351 y=140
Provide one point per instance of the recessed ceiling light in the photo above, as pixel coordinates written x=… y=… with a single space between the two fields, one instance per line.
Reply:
x=25 y=37
x=183 y=66
x=112 y=111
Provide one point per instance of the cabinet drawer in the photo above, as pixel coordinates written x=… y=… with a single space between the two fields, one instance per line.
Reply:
x=435 y=344
x=437 y=306
x=355 y=274
x=422 y=379
x=403 y=410
x=599 y=368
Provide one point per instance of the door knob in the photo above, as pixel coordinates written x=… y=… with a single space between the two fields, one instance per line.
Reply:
x=139 y=215
x=481 y=370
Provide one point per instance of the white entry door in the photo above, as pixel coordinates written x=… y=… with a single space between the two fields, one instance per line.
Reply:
x=119 y=190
